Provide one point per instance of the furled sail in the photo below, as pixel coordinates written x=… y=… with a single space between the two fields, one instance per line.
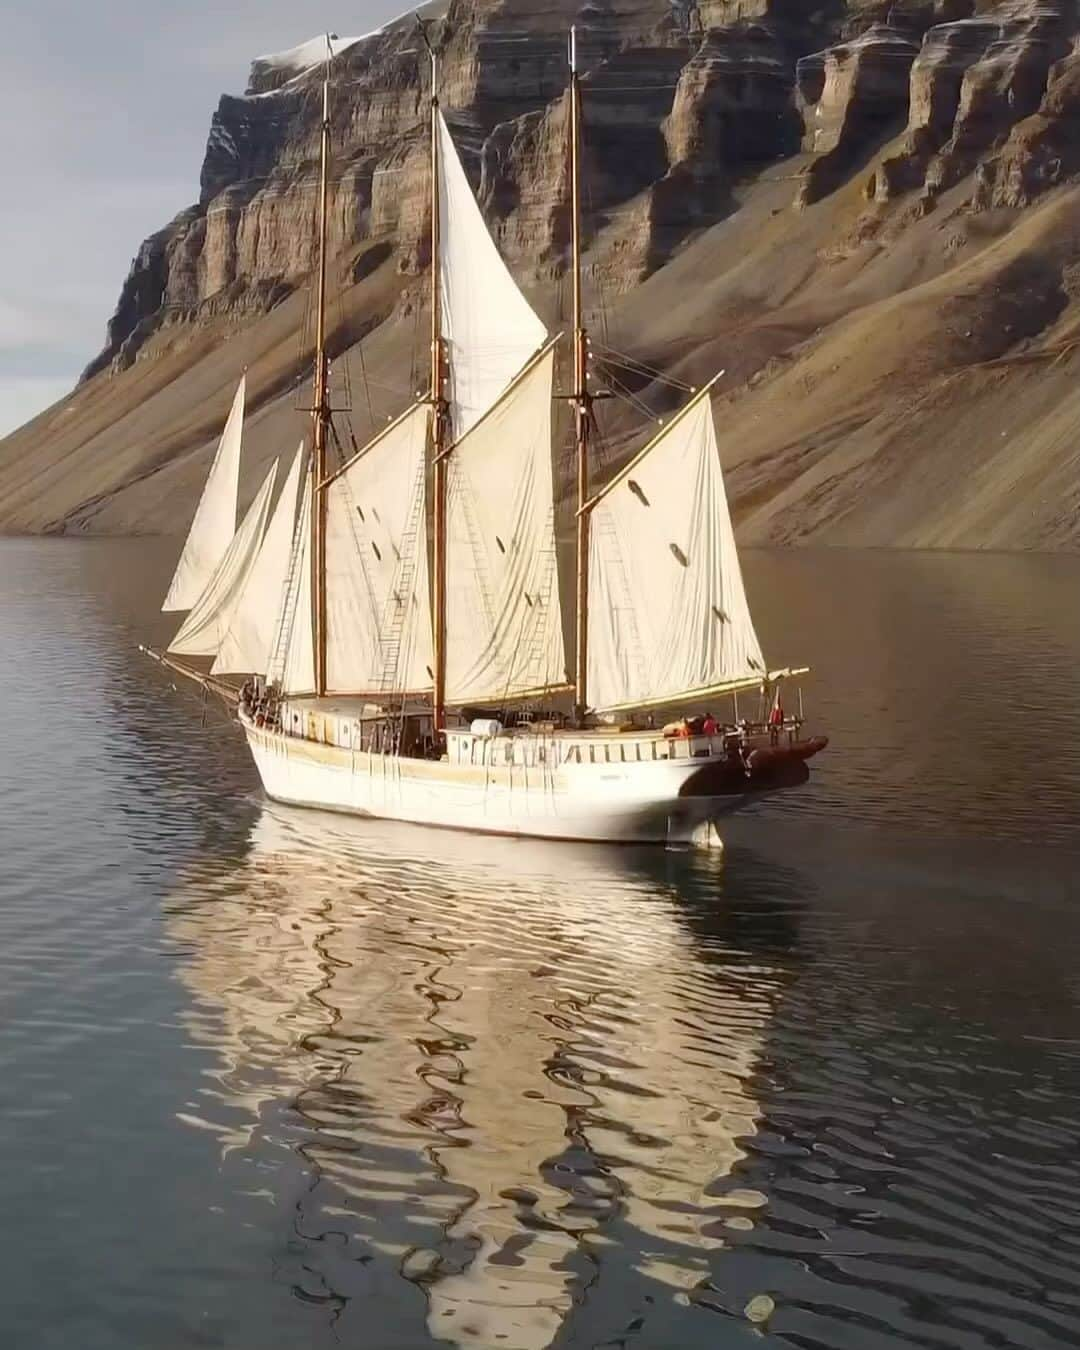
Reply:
x=294 y=647
x=212 y=529
x=378 y=607
x=204 y=629
x=668 y=613
x=503 y=619
x=489 y=328
x=248 y=645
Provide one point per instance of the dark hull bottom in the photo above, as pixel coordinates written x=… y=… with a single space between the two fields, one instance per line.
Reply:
x=766 y=768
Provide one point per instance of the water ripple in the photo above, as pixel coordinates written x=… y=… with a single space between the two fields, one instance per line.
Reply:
x=274 y=1079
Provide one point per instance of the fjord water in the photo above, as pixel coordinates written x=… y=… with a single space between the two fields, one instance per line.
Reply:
x=271 y=1079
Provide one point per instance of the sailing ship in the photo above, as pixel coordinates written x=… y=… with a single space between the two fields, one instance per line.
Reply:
x=432 y=689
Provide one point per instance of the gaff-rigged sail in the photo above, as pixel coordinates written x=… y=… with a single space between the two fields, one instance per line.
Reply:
x=503 y=621
x=668 y=613
x=247 y=646
x=204 y=629
x=378 y=606
x=214 y=524
x=489 y=329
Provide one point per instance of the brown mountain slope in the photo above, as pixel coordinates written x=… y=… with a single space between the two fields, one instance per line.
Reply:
x=867 y=218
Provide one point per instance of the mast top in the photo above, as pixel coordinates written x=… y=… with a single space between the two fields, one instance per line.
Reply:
x=573 y=49
x=422 y=26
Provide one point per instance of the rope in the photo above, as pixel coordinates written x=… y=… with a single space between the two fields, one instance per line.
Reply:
x=367 y=386
x=610 y=356
x=629 y=397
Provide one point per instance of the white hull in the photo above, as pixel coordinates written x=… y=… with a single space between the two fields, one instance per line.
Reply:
x=610 y=803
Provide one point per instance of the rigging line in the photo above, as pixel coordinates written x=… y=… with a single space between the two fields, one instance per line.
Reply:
x=415 y=342
x=342 y=453
x=598 y=282
x=302 y=344
x=620 y=361
x=367 y=386
x=627 y=359
x=606 y=366
x=628 y=396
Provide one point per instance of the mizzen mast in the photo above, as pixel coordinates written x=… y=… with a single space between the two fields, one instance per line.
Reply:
x=581 y=399
x=320 y=412
x=438 y=425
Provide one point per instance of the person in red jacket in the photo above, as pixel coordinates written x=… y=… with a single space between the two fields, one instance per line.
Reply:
x=776 y=719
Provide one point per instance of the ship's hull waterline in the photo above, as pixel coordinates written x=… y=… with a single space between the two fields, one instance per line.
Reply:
x=634 y=803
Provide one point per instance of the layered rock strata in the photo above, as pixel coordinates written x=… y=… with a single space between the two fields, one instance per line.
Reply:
x=862 y=210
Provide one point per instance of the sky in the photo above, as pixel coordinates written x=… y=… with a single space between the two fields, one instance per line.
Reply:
x=107 y=104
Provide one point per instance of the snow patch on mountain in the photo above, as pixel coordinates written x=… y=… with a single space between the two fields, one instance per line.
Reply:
x=310 y=53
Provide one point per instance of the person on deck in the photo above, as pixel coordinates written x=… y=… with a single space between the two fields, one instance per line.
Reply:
x=708 y=727
x=776 y=719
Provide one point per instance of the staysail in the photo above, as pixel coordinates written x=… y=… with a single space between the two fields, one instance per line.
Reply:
x=204 y=629
x=248 y=644
x=212 y=528
x=668 y=613
x=488 y=326
x=503 y=619
x=378 y=607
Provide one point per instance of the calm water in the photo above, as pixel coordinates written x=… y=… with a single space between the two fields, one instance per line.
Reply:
x=271 y=1079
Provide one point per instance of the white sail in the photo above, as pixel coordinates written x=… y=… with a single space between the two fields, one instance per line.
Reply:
x=503 y=619
x=214 y=524
x=293 y=628
x=667 y=608
x=378 y=608
x=204 y=629
x=488 y=326
x=248 y=644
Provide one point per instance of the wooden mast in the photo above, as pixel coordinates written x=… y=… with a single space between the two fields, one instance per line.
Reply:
x=320 y=409
x=581 y=399
x=438 y=427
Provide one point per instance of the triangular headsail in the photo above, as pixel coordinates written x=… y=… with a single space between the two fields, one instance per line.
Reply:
x=503 y=621
x=668 y=613
x=487 y=324
x=214 y=524
x=204 y=629
x=378 y=607
x=247 y=646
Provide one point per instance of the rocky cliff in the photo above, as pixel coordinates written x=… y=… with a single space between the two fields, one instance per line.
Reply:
x=866 y=212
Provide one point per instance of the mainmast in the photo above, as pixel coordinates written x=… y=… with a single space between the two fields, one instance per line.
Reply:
x=438 y=426
x=581 y=398
x=320 y=410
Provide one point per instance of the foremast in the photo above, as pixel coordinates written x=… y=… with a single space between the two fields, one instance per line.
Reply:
x=581 y=401
x=438 y=428
x=320 y=412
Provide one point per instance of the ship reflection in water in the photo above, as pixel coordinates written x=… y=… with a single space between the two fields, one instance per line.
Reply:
x=513 y=1074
